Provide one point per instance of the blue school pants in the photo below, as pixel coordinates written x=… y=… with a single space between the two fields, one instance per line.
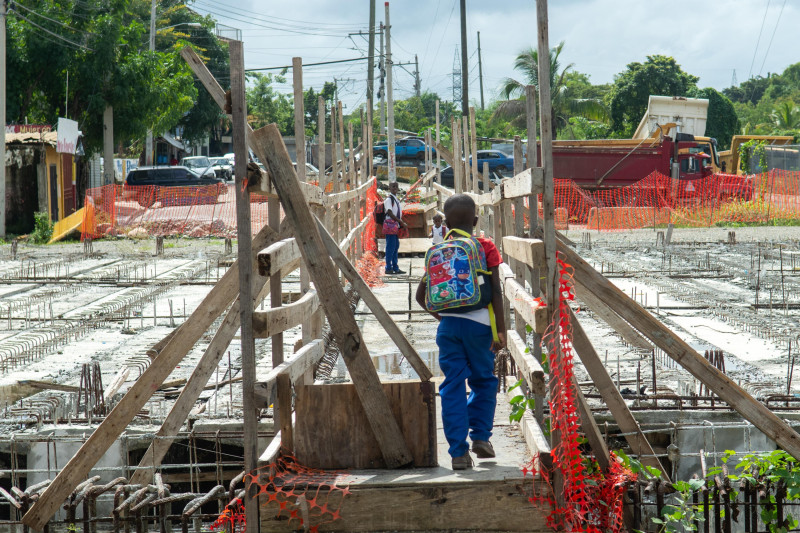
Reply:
x=465 y=356
x=392 y=246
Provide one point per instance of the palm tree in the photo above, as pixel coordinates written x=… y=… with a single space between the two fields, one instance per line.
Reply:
x=564 y=103
x=786 y=116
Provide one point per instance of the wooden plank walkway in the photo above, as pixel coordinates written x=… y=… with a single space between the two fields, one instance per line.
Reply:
x=493 y=496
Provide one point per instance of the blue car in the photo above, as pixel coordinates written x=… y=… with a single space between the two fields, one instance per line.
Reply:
x=498 y=161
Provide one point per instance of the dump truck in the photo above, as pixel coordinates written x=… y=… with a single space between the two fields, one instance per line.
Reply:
x=729 y=159
x=600 y=164
x=679 y=114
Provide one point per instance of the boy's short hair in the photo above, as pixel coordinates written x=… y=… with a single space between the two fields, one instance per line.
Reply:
x=460 y=209
x=437 y=215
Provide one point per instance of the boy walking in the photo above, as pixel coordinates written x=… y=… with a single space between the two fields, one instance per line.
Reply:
x=466 y=338
x=391 y=228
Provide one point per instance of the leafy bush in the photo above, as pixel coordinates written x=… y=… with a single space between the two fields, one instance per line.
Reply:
x=42 y=229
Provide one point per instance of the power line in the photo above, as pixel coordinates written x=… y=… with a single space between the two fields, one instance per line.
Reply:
x=57 y=36
x=12 y=5
x=444 y=31
x=308 y=64
x=758 y=41
x=771 y=38
x=433 y=26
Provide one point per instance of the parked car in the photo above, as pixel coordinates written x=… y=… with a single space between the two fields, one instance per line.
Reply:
x=149 y=185
x=408 y=148
x=448 y=181
x=498 y=161
x=200 y=165
x=222 y=168
x=231 y=157
x=312 y=172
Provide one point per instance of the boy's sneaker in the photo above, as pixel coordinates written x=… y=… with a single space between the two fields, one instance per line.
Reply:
x=462 y=463
x=398 y=271
x=482 y=449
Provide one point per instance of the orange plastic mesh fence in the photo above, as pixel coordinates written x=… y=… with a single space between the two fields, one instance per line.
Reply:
x=658 y=200
x=117 y=210
x=592 y=498
x=305 y=497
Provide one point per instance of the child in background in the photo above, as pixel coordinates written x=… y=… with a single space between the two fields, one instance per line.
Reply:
x=466 y=353
x=438 y=231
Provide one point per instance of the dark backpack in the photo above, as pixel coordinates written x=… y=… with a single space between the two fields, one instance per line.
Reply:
x=380 y=212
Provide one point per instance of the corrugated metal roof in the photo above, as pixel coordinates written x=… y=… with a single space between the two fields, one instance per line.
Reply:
x=50 y=137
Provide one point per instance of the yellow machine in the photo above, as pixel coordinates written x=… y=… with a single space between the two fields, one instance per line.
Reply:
x=729 y=159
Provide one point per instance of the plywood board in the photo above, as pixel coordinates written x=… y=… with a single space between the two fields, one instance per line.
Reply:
x=332 y=414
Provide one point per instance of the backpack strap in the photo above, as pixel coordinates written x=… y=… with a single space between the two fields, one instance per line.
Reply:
x=457 y=232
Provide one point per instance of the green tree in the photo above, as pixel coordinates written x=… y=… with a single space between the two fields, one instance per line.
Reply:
x=722 y=121
x=564 y=98
x=629 y=95
x=108 y=63
x=265 y=105
x=311 y=105
x=786 y=116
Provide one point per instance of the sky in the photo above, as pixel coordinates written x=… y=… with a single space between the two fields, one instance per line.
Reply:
x=714 y=40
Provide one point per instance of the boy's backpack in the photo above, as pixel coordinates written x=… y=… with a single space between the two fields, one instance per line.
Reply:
x=457 y=279
x=380 y=212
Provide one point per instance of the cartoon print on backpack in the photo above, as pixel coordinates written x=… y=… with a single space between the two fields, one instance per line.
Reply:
x=462 y=280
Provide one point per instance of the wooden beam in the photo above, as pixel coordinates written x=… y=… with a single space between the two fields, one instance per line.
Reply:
x=374 y=304
x=528 y=251
x=196 y=383
x=334 y=199
x=610 y=317
x=524 y=184
x=675 y=347
x=444 y=153
x=444 y=190
x=275 y=257
x=293 y=368
x=76 y=470
x=528 y=366
x=333 y=299
x=534 y=313
x=612 y=398
x=279 y=319
x=244 y=235
x=590 y=429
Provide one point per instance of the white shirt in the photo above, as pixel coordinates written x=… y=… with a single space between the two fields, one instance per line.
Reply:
x=438 y=234
x=393 y=204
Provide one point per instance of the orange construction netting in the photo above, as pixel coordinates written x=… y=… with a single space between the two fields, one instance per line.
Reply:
x=122 y=210
x=592 y=499
x=658 y=200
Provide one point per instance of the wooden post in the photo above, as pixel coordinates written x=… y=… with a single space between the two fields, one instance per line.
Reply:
x=458 y=167
x=340 y=123
x=551 y=276
x=300 y=157
x=532 y=158
x=334 y=301
x=469 y=184
x=244 y=234
x=323 y=180
x=438 y=156
x=473 y=135
x=369 y=140
x=519 y=204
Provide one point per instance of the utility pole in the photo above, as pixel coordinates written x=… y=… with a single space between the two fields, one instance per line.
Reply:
x=392 y=170
x=371 y=60
x=417 y=84
x=464 y=66
x=148 y=143
x=480 y=68
x=3 y=11
x=382 y=90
